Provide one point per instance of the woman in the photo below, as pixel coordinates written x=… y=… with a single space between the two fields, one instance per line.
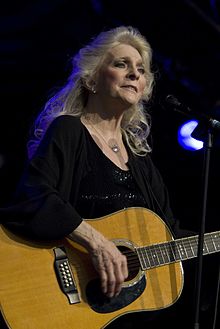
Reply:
x=89 y=154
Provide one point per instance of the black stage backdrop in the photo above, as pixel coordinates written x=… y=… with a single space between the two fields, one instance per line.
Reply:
x=37 y=41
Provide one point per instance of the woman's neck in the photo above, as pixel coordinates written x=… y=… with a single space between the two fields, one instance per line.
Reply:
x=106 y=131
x=107 y=126
x=105 y=117
x=106 y=122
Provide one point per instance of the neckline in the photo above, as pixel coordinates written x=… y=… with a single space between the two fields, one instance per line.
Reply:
x=103 y=154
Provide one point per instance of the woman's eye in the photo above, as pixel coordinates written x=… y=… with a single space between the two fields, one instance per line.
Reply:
x=120 y=64
x=141 y=70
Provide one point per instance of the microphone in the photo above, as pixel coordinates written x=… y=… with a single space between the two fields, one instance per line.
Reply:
x=177 y=106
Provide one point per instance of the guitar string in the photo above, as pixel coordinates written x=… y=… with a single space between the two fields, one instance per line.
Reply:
x=132 y=257
x=187 y=246
x=134 y=262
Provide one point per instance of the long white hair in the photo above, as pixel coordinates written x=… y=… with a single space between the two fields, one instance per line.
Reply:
x=72 y=97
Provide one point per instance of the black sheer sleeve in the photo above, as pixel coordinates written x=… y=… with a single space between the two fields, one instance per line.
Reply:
x=41 y=207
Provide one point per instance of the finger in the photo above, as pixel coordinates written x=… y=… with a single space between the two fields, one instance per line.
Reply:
x=99 y=265
x=104 y=280
x=124 y=267
x=105 y=268
x=120 y=276
x=111 y=279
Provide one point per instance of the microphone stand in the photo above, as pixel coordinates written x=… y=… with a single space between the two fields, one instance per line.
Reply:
x=208 y=125
x=208 y=143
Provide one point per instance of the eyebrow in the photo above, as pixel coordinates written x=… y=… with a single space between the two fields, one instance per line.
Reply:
x=128 y=59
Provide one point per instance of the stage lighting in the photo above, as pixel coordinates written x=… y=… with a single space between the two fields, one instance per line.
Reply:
x=185 y=139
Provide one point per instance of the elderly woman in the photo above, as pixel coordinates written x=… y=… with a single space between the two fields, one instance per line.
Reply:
x=89 y=154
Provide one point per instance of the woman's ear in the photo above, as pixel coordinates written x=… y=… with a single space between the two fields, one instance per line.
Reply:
x=90 y=85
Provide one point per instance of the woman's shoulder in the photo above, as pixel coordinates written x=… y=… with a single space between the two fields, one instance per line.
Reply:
x=65 y=125
x=67 y=121
x=65 y=130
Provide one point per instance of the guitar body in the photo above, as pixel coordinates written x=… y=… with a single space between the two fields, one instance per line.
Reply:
x=30 y=294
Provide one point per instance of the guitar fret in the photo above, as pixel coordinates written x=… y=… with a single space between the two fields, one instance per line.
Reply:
x=142 y=258
x=205 y=248
x=211 y=243
x=208 y=246
x=168 y=252
x=152 y=257
x=165 y=253
x=216 y=240
x=147 y=258
x=155 y=255
x=191 y=248
x=182 y=250
x=162 y=255
x=172 y=248
x=176 y=250
x=194 y=241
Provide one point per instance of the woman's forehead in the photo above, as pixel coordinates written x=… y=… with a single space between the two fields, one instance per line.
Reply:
x=123 y=51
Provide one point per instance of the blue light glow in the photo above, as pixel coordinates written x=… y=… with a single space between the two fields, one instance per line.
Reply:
x=185 y=139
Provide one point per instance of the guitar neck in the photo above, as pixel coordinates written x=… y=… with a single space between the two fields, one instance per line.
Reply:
x=177 y=250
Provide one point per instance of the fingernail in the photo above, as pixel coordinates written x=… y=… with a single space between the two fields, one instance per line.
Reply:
x=110 y=295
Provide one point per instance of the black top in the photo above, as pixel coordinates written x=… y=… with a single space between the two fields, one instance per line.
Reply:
x=45 y=202
x=106 y=188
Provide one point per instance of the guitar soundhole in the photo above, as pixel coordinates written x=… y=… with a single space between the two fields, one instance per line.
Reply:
x=132 y=261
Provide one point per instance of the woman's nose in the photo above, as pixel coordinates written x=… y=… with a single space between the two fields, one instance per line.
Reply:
x=134 y=73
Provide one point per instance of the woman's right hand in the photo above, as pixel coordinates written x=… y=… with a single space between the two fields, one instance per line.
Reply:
x=109 y=262
x=111 y=266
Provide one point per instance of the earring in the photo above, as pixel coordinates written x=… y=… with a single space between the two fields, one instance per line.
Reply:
x=93 y=89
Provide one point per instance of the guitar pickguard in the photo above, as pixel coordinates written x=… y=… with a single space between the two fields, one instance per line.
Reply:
x=100 y=303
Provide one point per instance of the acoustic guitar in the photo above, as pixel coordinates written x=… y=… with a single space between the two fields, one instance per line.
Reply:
x=54 y=285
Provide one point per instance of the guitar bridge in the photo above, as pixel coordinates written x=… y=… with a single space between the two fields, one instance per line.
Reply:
x=65 y=276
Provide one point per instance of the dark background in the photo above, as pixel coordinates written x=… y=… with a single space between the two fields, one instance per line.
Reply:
x=37 y=41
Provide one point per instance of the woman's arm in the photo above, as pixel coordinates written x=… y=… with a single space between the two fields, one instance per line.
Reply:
x=41 y=206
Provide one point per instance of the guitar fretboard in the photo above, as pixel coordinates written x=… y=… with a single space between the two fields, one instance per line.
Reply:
x=177 y=250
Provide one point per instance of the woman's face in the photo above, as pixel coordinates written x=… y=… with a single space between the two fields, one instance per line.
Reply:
x=122 y=76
